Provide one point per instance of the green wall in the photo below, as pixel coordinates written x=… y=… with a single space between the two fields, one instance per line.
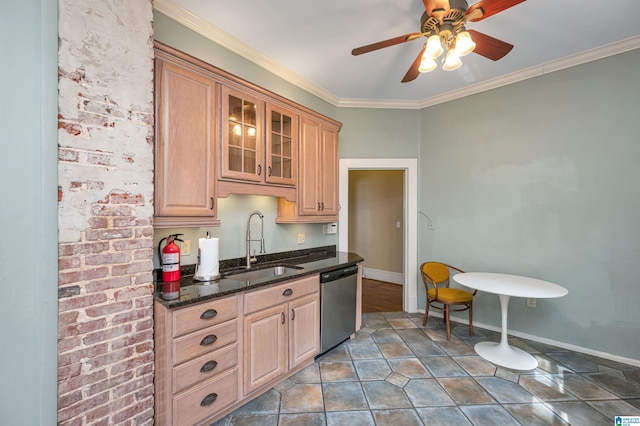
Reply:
x=28 y=190
x=540 y=178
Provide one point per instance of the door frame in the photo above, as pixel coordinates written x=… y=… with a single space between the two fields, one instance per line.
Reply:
x=410 y=225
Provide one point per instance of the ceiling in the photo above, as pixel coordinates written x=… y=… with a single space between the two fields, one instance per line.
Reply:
x=309 y=43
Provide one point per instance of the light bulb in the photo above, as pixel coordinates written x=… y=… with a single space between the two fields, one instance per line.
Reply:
x=251 y=131
x=452 y=61
x=237 y=130
x=427 y=64
x=464 y=44
x=434 y=47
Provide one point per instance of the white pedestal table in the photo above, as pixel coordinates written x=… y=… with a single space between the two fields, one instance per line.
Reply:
x=507 y=286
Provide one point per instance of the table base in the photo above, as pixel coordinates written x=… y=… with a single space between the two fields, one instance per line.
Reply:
x=506 y=356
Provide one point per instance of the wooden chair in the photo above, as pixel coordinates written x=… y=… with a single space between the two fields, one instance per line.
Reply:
x=435 y=276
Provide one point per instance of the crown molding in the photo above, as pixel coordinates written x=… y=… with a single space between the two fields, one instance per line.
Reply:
x=224 y=39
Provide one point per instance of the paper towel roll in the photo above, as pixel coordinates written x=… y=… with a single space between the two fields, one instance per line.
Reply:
x=209 y=259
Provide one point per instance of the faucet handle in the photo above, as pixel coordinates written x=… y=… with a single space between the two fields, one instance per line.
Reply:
x=253 y=258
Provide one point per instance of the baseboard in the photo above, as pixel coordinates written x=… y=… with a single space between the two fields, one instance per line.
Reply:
x=546 y=341
x=377 y=274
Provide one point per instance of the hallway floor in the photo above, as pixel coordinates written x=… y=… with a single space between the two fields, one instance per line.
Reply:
x=396 y=372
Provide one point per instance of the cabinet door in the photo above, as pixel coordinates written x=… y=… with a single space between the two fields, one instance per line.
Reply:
x=242 y=141
x=185 y=146
x=304 y=329
x=308 y=195
x=264 y=347
x=329 y=175
x=282 y=146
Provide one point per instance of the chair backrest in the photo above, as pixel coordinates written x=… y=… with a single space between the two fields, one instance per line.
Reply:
x=435 y=272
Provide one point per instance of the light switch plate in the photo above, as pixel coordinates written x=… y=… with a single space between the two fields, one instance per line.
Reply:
x=300 y=238
x=332 y=228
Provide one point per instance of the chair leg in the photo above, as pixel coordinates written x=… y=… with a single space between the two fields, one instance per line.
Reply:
x=471 y=319
x=426 y=314
x=446 y=316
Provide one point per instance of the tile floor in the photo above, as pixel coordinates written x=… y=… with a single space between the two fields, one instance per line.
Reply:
x=396 y=372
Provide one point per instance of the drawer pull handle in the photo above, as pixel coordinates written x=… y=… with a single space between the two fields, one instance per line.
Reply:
x=209 y=399
x=293 y=314
x=283 y=318
x=208 y=366
x=209 y=340
x=287 y=292
x=208 y=314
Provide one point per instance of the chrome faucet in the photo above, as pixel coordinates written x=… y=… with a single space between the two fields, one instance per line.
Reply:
x=249 y=240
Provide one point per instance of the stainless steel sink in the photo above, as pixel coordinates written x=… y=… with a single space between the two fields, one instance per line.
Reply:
x=259 y=274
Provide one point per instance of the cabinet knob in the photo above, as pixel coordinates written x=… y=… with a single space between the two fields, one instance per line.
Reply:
x=208 y=366
x=287 y=292
x=209 y=340
x=208 y=314
x=209 y=399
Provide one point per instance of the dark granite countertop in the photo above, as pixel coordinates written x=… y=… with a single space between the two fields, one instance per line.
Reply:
x=308 y=262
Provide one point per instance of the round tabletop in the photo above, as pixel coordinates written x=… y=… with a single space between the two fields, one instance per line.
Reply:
x=510 y=285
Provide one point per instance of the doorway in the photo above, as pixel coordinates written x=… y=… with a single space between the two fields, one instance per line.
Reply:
x=409 y=222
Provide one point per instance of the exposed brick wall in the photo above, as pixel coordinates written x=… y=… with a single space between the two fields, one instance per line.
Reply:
x=105 y=202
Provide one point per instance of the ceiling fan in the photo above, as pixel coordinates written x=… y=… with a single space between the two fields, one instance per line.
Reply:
x=443 y=24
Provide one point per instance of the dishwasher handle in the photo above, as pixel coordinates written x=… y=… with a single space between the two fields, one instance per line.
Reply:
x=337 y=274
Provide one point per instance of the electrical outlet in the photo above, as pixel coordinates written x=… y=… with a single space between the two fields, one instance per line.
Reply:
x=186 y=247
x=531 y=302
x=300 y=238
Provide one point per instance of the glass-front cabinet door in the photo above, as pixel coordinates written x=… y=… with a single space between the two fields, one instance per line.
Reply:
x=282 y=146
x=242 y=146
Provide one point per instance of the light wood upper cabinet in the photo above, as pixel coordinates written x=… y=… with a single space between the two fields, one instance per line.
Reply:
x=242 y=136
x=259 y=140
x=185 y=146
x=282 y=146
x=318 y=187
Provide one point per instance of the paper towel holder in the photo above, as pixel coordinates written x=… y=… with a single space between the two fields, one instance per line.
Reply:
x=201 y=277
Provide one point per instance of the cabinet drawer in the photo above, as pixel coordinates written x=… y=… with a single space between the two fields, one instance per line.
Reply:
x=282 y=293
x=204 y=367
x=205 y=400
x=204 y=315
x=203 y=341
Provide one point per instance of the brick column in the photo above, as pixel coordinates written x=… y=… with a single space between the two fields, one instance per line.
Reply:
x=105 y=208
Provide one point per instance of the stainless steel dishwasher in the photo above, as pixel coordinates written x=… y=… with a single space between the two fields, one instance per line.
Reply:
x=338 y=306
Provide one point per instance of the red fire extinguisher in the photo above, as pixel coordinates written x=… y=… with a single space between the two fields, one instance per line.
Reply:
x=170 y=258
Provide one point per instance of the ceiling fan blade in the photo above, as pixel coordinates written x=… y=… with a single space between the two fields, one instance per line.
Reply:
x=413 y=72
x=488 y=46
x=489 y=7
x=385 y=43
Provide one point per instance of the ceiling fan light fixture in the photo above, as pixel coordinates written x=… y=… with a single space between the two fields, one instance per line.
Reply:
x=427 y=64
x=452 y=61
x=434 y=47
x=464 y=43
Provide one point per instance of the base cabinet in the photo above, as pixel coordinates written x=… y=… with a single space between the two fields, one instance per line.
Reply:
x=197 y=351
x=280 y=336
x=214 y=356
